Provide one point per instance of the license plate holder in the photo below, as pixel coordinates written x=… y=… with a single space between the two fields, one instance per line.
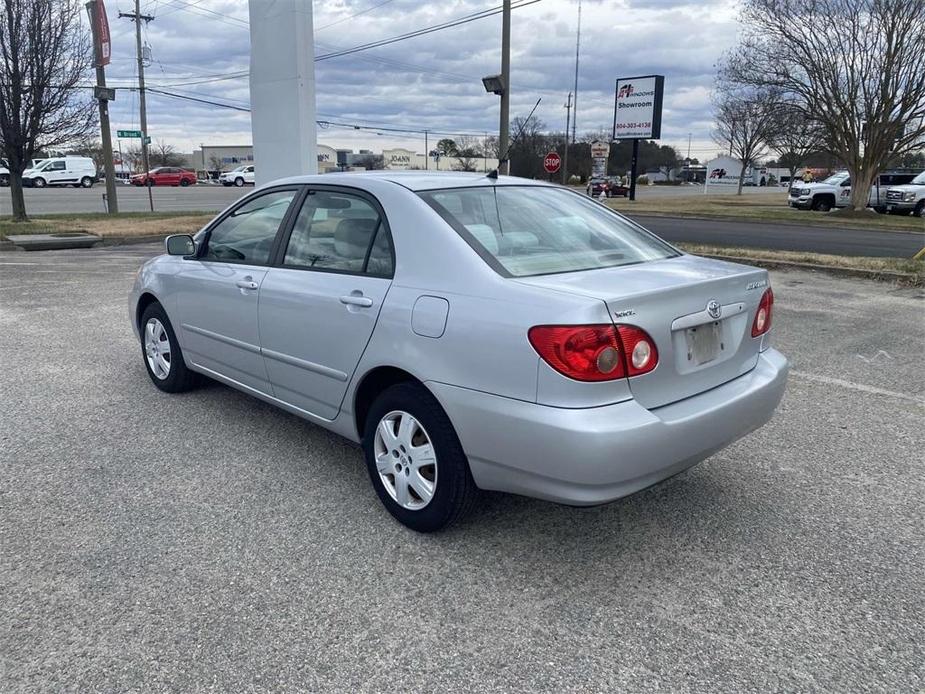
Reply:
x=704 y=342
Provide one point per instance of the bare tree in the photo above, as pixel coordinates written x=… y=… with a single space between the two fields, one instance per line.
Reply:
x=162 y=154
x=371 y=162
x=745 y=121
x=466 y=153
x=45 y=54
x=855 y=66
x=796 y=135
x=132 y=156
x=489 y=147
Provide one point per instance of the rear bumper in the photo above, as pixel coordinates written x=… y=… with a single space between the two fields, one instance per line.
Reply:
x=592 y=456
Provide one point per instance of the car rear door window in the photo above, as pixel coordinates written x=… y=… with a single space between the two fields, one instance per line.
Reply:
x=246 y=235
x=339 y=232
x=526 y=230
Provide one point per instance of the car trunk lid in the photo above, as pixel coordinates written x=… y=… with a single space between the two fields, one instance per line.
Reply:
x=698 y=311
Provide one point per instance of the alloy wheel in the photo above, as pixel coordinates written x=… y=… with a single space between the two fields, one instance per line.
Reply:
x=406 y=460
x=157 y=348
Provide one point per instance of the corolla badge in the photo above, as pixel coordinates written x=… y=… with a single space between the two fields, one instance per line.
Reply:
x=714 y=309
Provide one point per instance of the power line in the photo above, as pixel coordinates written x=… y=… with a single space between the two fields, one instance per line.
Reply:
x=374 y=7
x=426 y=30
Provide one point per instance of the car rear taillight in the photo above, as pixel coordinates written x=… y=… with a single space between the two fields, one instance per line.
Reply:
x=762 y=322
x=639 y=350
x=595 y=352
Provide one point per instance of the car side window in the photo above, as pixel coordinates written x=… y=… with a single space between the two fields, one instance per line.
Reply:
x=246 y=235
x=56 y=166
x=339 y=232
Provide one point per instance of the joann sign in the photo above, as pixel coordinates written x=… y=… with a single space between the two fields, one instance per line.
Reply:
x=637 y=113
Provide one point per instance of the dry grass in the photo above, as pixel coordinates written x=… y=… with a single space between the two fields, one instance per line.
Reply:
x=123 y=224
x=761 y=208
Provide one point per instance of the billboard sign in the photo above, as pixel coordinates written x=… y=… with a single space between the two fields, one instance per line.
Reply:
x=104 y=40
x=637 y=111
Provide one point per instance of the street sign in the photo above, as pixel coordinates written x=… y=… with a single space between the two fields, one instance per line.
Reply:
x=128 y=133
x=551 y=162
x=148 y=140
x=104 y=93
x=600 y=149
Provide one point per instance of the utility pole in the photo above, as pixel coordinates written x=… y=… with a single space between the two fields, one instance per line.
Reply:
x=577 y=51
x=506 y=82
x=426 y=152
x=568 y=112
x=688 y=149
x=136 y=16
x=102 y=95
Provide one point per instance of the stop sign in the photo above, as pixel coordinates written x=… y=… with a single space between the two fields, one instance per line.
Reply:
x=551 y=162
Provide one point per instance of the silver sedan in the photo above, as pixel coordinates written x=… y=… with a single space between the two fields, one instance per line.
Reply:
x=471 y=332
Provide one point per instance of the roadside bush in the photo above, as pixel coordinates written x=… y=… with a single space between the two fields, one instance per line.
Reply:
x=642 y=180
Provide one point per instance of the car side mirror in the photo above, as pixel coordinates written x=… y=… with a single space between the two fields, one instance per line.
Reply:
x=180 y=244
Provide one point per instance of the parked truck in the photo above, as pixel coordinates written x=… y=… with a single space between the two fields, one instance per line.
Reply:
x=907 y=198
x=835 y=191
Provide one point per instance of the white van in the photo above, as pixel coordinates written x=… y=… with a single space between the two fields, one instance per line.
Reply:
x=79 y=172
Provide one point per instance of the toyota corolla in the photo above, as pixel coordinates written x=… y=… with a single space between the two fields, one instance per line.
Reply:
x=471 y=332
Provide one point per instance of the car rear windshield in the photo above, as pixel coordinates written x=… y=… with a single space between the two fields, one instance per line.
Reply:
x=533 y=230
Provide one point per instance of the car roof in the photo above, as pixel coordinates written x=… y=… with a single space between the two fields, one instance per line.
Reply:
x=413 y=180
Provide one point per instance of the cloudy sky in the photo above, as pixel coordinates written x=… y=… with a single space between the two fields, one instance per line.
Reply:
x=200 y=48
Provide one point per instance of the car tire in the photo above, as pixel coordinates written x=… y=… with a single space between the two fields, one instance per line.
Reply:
x=4 y=181
x=38 y=182
x=238 y=182
x=821 y=205
x=159 y=340
x=86 y=182
x=919 y=210
x=389 y=459
x=184 y=183
x=149 y=183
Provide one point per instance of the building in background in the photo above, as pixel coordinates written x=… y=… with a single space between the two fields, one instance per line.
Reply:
x=214 y=159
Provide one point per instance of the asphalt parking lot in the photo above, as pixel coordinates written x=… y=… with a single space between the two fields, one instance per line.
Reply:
x=208 y=542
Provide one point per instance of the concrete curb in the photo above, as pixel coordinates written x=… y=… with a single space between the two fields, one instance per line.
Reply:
x=904 y=278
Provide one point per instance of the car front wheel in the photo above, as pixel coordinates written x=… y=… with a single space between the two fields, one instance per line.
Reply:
x=38 y=182
x=162 y=355
x=239 y=182
x=415 y=460
x=920 y=209
x=184 y=183
x=821 y=205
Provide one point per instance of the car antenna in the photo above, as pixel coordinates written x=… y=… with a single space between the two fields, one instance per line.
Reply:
x=493 y=174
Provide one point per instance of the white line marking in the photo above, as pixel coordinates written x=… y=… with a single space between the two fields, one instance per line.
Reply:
x=858 y=386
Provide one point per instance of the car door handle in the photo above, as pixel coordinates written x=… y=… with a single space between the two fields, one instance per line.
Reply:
x=247 y=284
x=354 y=300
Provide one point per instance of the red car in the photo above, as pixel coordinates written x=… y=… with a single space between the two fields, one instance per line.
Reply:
x=165 y=176
x=610 y=186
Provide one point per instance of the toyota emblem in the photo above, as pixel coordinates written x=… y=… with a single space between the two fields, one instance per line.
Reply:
x=714 y=309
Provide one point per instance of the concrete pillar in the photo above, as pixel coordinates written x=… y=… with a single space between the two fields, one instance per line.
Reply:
x=282 y=83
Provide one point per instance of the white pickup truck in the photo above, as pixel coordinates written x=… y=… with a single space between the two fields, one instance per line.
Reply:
x=835 y=191
x=907 y=198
